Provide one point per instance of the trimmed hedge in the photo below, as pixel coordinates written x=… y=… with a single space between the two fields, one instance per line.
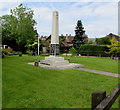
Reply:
x=94 y=50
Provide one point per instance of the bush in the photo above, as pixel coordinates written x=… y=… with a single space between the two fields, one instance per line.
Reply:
x=72 y=51
x=3 y=52
x=93 y=50
x=13 y=52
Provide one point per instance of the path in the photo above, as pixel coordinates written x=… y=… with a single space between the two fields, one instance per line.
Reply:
x=77 y=67
x=100 y=72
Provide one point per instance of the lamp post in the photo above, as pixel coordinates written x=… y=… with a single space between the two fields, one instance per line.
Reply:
x=38 y=46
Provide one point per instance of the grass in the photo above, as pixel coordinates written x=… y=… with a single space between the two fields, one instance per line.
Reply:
x=97 y=63
x=27 y=86
x=0 y=84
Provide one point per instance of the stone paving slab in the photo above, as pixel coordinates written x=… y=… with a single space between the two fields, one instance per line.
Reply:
x=61 y=67
x=100 y=72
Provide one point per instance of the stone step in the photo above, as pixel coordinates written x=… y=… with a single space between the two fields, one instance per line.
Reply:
x=54 y=62
x=54 y=58
x=59 y=63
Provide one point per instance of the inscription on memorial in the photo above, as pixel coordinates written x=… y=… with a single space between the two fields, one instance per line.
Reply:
x=54 y=49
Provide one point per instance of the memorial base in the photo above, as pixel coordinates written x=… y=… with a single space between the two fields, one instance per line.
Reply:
x=54 y=61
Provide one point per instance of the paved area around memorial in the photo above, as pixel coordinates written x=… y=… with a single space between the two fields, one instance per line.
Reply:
x=60 y=67
x=77 y=67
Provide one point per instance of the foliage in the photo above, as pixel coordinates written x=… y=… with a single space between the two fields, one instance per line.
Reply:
x=79 y=38
x=73 y=51
x=93 y=49
x=34 y=45
x=46 y=44
x=85 y=38
x=18 y=27
x=90 y=42
x=103 y=41
x=8 y=35
x=114 y=47
x=13 y=52
x=3 y=52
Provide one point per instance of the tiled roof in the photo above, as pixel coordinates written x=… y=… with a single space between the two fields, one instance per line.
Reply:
x=113 y=35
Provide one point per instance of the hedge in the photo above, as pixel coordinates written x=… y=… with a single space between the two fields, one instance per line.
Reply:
x=94 y=50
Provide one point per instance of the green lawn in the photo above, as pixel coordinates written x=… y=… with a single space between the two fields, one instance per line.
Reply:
x=27 y=86
x=0 y=83
x=98 y=63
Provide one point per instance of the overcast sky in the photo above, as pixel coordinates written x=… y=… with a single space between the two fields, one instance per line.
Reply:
x=98 y=18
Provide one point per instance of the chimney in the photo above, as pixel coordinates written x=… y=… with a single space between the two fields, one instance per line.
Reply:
x=66 y=36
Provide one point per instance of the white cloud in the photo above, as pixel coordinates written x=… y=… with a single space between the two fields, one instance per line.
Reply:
x=6 y=6
x=99 y=18
x=60 y=1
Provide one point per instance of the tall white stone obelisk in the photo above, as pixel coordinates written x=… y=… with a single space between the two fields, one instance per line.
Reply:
x=54 y=47
x=54 y=59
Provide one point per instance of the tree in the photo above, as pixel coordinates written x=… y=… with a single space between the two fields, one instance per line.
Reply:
x=19 y=26
x=8 y=37
x=85 y=38
x=103 y=40
x=79 y=36
x=114 y=48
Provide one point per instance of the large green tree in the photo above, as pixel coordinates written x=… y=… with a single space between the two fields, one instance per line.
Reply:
x=79 y=35
x=8 y=35
x=18 y=27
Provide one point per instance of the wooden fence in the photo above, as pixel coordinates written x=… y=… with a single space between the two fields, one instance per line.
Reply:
x=102 y=102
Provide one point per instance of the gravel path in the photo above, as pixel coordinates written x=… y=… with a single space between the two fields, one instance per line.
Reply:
x=100 y=72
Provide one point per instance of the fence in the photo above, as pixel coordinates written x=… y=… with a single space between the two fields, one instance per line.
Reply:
x=102 y=102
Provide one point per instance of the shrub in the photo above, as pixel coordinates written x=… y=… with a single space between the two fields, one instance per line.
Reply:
x=3 y=52
x=72 y=51
x=13 y=52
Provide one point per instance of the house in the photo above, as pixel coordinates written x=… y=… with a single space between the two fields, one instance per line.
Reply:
x=67 y=43
x=116 y=37
x=113 y=36
x=43 y=38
